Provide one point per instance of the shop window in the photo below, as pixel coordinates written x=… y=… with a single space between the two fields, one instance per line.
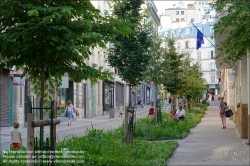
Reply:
x=107 y=97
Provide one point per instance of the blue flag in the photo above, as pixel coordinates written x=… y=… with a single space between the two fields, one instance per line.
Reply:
x=199 y=40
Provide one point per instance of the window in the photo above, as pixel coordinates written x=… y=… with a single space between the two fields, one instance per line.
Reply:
x=172 y=34
x=177 y=19
x=199 y=66
x=212 y=54
x=212 y=66
x=182 y=19
x=212 y=78
x=186 y=44
x=177 y=12
x=182 y=12
x=198 y=55
x=192 y=19
x=179 y=33
x=107 y=95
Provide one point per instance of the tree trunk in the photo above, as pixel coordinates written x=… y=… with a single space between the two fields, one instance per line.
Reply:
x=130 y=96
x=41 y=105
x=182 y=100
x=156 y=92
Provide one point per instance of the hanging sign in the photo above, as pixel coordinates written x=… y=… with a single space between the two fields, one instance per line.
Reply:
x=18 y=81
x=65 y=82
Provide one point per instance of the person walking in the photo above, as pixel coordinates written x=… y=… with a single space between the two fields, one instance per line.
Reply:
x=223 y=106
x=69 y=111
x=16 y=137
x=212 y=96
x=140 y=103
x=120 y=110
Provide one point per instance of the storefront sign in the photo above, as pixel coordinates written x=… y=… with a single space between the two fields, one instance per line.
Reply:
x=18 y=81
x=211 y=86
x=65 y=82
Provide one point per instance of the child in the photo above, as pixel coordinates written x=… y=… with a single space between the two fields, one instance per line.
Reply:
x=120 y=110
x=151 y=111
x=172 y=115
x=16 y=137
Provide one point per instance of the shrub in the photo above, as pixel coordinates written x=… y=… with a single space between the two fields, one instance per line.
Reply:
x=168 y=129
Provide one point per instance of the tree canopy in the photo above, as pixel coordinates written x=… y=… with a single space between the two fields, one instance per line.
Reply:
x=53 y=37
x=233 y=17
x=193 y=83
x=172 y=79
x=131 y=55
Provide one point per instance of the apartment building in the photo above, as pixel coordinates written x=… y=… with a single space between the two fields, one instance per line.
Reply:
x=180 y=22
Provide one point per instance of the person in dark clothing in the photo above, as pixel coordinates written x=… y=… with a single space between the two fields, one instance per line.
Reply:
x=140 y=103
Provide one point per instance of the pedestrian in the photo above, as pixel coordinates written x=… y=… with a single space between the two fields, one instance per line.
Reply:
x=169 y=99
x=69 y=111
x=140 y=103
x=212 y=97
x=223 y=106
x=120 y=110
x=16 y=137
x=172 y=115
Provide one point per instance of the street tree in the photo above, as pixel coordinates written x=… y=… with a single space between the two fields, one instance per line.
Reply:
x=130 y=57
x=193 y=84
x=172 y=79
x=155 y=71
x=234 y=19
x=53 y=37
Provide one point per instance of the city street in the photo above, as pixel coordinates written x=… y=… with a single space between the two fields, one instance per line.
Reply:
x=78 y=126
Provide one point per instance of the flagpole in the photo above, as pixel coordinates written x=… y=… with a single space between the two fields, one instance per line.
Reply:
x=203 y=34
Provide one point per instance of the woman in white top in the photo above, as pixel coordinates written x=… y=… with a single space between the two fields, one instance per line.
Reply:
x=16 y=137
x=69 y=111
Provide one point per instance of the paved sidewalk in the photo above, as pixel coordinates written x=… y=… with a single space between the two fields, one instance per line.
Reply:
x=209 y=144
x=78 y=127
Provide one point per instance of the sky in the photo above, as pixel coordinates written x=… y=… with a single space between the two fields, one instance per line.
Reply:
x=163 y=4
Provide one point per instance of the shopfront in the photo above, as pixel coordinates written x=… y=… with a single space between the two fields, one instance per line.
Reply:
x=108 y=95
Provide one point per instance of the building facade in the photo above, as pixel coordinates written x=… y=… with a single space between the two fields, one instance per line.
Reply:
x=235 y=88
x=177 y=24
